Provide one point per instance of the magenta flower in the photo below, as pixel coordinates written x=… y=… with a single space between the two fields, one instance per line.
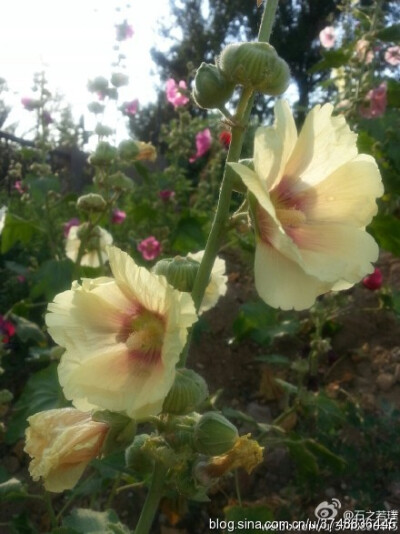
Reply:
x=174 y=94
x=150 y=248
x=29 y=103
x=375 y=103
x=47 y=118
x=7 y=330
x=374 y=280
x=19 y=187
x=124 y=31
x=21 y=278
x=392 y=55
x=166 y=195
x=327 y=37
x=203 y=144
x=69 y=224
x=118 y=216
x=130 y=108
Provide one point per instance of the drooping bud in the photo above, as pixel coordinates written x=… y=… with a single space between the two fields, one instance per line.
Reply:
x=91 y=202
x=211 y=89
x=179 y=272
x=188 y=391
x=255 y=65
x=136 y=457
x=104 y=155
x=214 y=434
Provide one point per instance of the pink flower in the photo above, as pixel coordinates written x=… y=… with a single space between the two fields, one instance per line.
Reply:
x=69 y=224
x=21 y=278
x=7 y=330
x=118 y=216
x=29 y=103
x=374 y=280
x=124 y=31
x=225 y=138
x=166 y=195
x=19 y=187
x=150 y=248
x=392 y=55
x=130 y=108
x=375 y=102
x=327 y=37
x=174 y=94
x=364 y=54
x=203 y=144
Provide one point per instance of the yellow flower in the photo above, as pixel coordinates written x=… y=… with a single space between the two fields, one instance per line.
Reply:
x=123 y=337
x=147 y=151
x=96 y=244
x=61 y=443
x=312 y=196
x=217 y=286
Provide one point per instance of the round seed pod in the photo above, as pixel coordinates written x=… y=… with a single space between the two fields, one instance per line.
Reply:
x=188 y=391
x=211 y=89
x=179 y=272
x=214 y=434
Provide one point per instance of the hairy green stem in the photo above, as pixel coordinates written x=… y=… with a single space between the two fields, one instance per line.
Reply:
x=152 y=500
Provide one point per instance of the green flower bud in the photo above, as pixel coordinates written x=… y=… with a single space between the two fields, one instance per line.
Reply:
x=118 y=79
x=255 y=65
x=137 y=459
x=188 y=391
x=211 y=88
x=120 y=182
x=103 y=130
x=96 y=107
x=90 y=235
x=122 y=430
x=214 y=434
x=128 y=150
x=91 y=202
x=98 y=85
x=179 y=272
x=104 y=155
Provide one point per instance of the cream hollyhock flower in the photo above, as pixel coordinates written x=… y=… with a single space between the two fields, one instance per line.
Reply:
x=61 y=443
x=312 y=196
x=217 y=286
x=96 y=245
x=123 y=337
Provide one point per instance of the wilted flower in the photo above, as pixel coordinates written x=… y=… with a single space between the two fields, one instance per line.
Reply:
x=203 y=144
x=123 y=337
x=392 y=55
x=327 y=37
x=61 y=443
x=95 y=245
x=166 y=194
x=69 y=224
x=3 y=215
x=130 y=108
x=312 y=195
x=118 y=216
x=7 y=330
x=225 y=138
x=150 y=248
x=124 y=31
x=364 y=52
x=174 y=94
x=375 y=103
x=374 y=280
x=217 y=285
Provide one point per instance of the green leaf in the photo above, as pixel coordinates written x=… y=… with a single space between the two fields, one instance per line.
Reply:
x=331 y=59
x=85 y=521
x=305 y=460
x=17 y=230
x=12 y=489
x=27 y=330
x=254 y=320
x=336 y=463
x=386 y=230
x=42 y=392
x=40 y=186
x=391 y=33
x=252 y=517
x=393 y=93
x=273 y=359
x=189 y=235
x=52 y=277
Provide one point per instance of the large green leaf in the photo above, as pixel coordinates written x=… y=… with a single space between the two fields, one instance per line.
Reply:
x=39 y=187
x=189 y=235
x=331 y=59
x=17 y=230
x=386 y=230
x=52 y=277
x=42 y=392
x=391 y=33
x=85 y=521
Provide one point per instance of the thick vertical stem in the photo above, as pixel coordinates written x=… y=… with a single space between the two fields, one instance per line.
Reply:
x=152 y=500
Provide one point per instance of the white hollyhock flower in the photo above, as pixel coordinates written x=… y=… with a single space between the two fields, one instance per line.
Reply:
x=3 y=214
x=96 y=245
x=312 y=195
x=217 y=286
x=123 y=337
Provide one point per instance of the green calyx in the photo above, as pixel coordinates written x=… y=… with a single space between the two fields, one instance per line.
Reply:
x=128 y=150
x=214 y=434
x=92 y=202
x=211 y=89
x=104 y=155
x=188 y=391
x=180 y=272
x=255 y=65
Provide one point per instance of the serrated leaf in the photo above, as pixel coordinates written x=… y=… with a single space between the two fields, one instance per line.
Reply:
x=41 y=392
